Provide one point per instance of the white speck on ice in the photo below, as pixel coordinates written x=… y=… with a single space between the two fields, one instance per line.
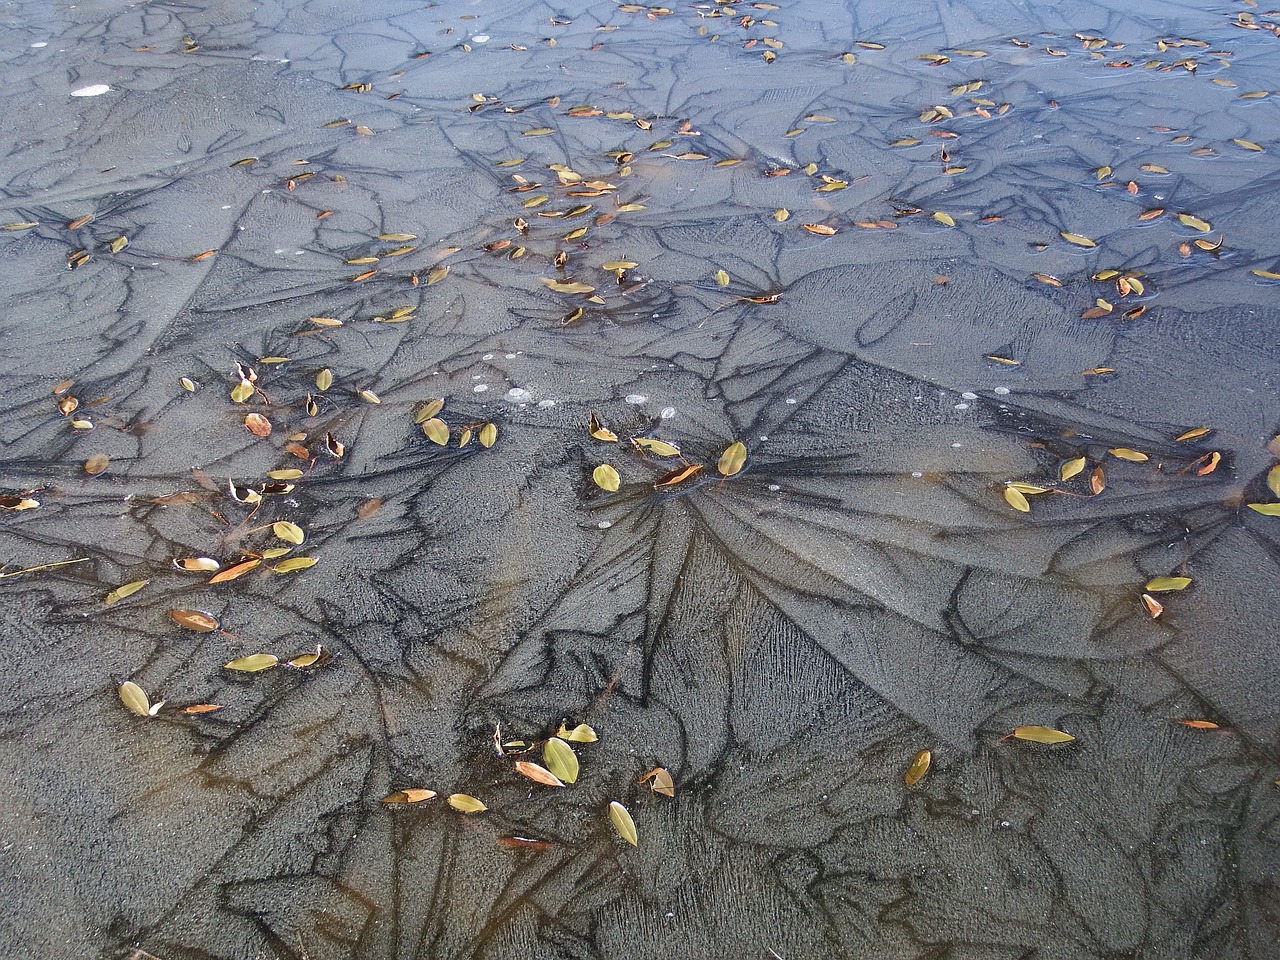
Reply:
x=519 y=395
x=546 y=404
x=39 y=44
x=94 y=90
x=667 y=413
x=604 y=524
x=791 y=399
x=480 y=38
x=487 y=356
x=1002 y=391
x=969 y=395
x=962 y=406
x=635 y=399
x=480 y=387
x=917 y=474
x=774 y=488
x=511 y=356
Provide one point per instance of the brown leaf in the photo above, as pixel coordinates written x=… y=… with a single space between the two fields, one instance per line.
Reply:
x=258 y=425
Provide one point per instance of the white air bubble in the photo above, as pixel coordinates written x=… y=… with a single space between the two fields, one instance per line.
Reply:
x=40 y=44
x=518 y=395
x=635 y=399
x=774 y=488
x=667 y=413
x=480 y=38
x=487 y=356
x=917 y=474
x=969 y=395
x=604 y=524
x=962 y=406
x=1002 y=391
x=480 y=388
x=791 y=399
x=546 y=404
x=95 y=90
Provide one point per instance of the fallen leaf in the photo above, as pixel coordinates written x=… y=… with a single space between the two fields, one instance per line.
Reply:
x=919 y=767
x=197 y=708
x=488 y=435
x=1037 y=734
x=579 y=734
x=437 y=431
x=125 y=590
x=1200 y=724
x=733 y=459
x=1078 y=239
x=537 y=773
x=1154 y=606
x=235 y=570
x=409 y=795
x=258 y=425
x=1165 y=584
x=1266 y=509
x=135 y=699
x=560 y=759
x=623 y=823
x=659 y=780
x=466 y=804
x=606 y=477
x=288 y=532
x=1194 y=222
x=253 y=663
x=1126 y=453
x=1016 y=500
x=294 y=563
x=96 y=464
x=196 y=620
x=1071 y=467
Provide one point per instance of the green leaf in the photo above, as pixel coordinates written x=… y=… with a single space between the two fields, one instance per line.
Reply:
x=253 y=663
x=1266 y=509
x=1164 y=584
x=561 y=760
x=606 y=477
x=733 y=459
x=466 y=804
x=623 y=823
x=288 y=532
x=125 y=590
x=1036 y=734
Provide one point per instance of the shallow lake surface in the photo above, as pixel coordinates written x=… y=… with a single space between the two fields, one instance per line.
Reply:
x=807 y=470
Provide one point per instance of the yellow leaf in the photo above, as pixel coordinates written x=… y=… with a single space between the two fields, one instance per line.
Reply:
x=1266 y=509
x=919 y=767
x=1194 y=222
x=1273 y=480
x=561 y=760
x=781 y=214
x=235 y=570
x=294 y=563
x=465 y=803
x=324 y=379
x=1036 y=734
x=1028 y=488
x=606 y=477
x=242 y=391
x=579 y=734
x=1247 y=144
x=253 y=663
x=437 y=273
x=944 y=218
x=1071 y=468
x=657 y=447
x=722 y=278
x=125 y=590
x=1016 y=500
x=1166 y=584
x=288 y=532
x=1078 y=239
x=96 y=464
x=567 y=286
x=437 y=431
x=1125 y=453
x=488 y=435
x=733 y=459
x=623 y=823
x=1266 y=274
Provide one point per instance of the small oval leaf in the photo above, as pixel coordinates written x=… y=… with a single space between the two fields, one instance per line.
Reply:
x=135 y=699
x=288 y=532
x=1037 y=734
x=623 y=823
x=409 y=795
x=464 y=803
x=253 y=663
x=919 y=767
x=606 y=477
x=561 y=760
x=196 y=620
x=733 y=459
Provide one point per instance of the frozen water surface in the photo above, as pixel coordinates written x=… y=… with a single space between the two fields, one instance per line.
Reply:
x=243 y=276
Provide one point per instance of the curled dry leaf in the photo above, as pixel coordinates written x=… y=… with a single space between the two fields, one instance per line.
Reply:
x=537 y=773
x=409 y=795
x=677 y=476
x=198 y=708
x=96 y=464
x=1154 y=606
x=465 y=803
x=1037 y=734
x=196 y=620
x=253 y=663
x=1200 y=724
x=200 y=564
x=659 y=780
x=599 y=431
x=235 y=571
x=606 y=477
x=258 y=425
x=623 y=823
x=919 y=767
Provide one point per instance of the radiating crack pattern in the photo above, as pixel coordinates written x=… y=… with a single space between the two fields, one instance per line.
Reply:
x=831 y=231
